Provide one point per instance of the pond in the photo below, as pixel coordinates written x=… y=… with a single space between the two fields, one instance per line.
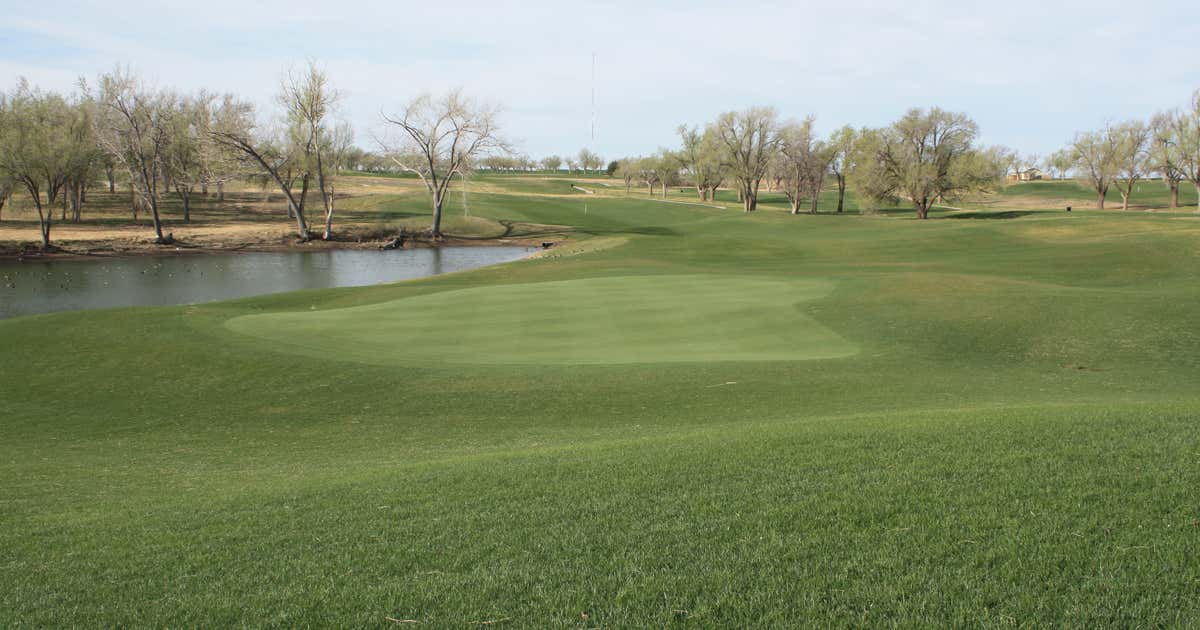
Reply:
x=43 y=286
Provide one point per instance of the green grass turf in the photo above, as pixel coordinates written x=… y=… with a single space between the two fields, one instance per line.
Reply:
x=1150 y=193
x=649 y=319
x=1016 y=440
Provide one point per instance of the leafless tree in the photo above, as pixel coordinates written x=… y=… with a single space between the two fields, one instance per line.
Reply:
x=802 y=163
x=1133 y=139
x=1096 y=155
x=134 y=126
x=439 y=139
x=1187 y=134
x=748 y=140
x=310 y=101
x=1164 y=154
x=234 y=128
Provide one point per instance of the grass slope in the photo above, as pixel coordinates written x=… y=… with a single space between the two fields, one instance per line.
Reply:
x=1014 y=443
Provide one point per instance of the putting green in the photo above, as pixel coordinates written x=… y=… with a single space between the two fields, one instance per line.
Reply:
x=643 y=319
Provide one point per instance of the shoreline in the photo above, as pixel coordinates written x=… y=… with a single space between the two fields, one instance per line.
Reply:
x=107 y=250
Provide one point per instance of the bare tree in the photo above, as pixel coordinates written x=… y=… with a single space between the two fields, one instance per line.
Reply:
x=1133 y=139
x=552 y=162
x=748 y=140
x=134 y=126
x=185 y=165
x=309 y=101
x=439 y=139
x=793 y=160
x=234 y=128
x=627 y=171
x=1096 y=155
x=1187 y=134
x=647 y=169
x=1164 y=152
x=339 y=143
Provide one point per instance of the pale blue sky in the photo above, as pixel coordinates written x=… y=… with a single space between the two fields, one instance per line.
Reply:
x=1031 y=73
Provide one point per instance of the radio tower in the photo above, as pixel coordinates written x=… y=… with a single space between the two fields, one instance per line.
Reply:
x=593 y=100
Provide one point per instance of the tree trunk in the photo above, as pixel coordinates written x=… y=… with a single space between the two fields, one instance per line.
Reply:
x=812 y=209
x=77 y=204
x=795 y=203
x=44 y=218
x=841 y=192
x=749 y=198
x=185 y=195
x=436 y=229
x=922 y=209
x=1101 y=194
x=220 y=192
x=1174 y=184
x=158 y=233
x=329 y=216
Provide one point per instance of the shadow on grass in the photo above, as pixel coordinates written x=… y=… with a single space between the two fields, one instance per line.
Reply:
x=1004 y=214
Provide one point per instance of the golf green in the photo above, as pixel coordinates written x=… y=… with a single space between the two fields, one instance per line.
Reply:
x=620 y=319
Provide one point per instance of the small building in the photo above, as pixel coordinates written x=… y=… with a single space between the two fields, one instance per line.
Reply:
x=1030 y=174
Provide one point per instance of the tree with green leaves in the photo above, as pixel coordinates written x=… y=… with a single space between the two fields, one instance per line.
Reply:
x=928 y=156
x=841 y=159
x=700 y=158
x=34 y=127
x=1059 y=163
x=589 y=160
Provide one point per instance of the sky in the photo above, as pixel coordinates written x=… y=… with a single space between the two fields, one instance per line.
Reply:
x=1031 y=74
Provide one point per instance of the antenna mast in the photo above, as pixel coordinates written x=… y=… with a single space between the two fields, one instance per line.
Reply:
x=593 y=99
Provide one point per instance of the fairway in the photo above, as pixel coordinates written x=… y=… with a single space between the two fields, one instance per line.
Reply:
x=649 y=319
x=678 y=417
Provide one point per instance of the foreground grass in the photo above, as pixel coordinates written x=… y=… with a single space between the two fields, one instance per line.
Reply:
x=1012 y=441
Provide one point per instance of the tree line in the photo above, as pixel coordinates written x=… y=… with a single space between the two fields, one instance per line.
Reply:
x=927 y=156
x=1122 y=153
x=56 y=147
